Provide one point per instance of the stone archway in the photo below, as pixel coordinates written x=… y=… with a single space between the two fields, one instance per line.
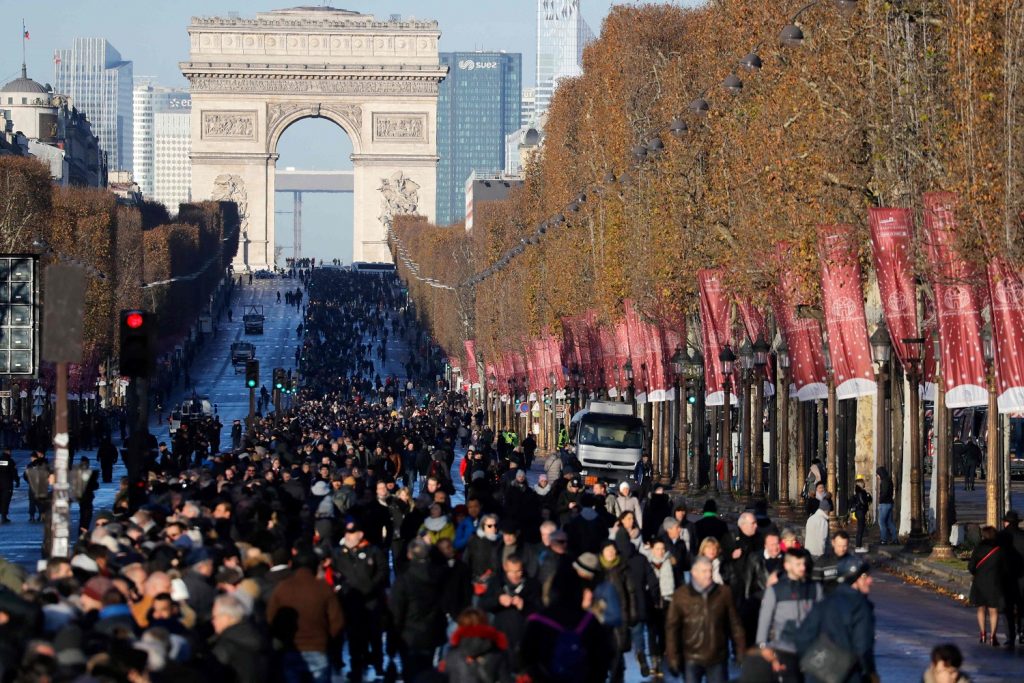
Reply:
x=377 y=80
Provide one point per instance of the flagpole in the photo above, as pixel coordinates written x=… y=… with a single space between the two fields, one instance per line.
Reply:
x=23 y=63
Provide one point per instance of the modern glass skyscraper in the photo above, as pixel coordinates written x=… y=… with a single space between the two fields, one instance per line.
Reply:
x=562 y=34
x=99 y=84
x=478 y=104
x=162 y=143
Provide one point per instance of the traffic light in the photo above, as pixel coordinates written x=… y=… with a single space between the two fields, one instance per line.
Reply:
x=252 y=373
x=293 y=382
x=691 y=393
x=138 y=341
x=280 y=382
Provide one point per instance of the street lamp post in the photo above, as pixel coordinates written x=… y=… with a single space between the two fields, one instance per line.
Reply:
x=992 y=469
x=745 y=476
x=881 y=351
x=699 y=411
x=727 y=358
x=917 y=539
x=682 y=448
x=941 y=549
x=553 y=419
x=761 y=351
x=782 y=427
x=630 y=390
x=832 y=452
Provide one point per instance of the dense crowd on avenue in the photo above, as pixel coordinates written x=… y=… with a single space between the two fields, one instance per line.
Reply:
x=380 y=527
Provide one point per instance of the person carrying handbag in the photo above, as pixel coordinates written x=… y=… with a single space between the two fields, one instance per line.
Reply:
x=988 y=567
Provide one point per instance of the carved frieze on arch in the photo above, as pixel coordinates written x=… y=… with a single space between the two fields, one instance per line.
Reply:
x=280 y=115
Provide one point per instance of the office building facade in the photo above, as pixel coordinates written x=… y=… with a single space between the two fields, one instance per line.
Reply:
x=99 y=84
x=162 y=143
x=478 y=105
x=562 y=34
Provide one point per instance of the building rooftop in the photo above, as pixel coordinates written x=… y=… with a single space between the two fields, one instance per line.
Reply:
x=24 y=84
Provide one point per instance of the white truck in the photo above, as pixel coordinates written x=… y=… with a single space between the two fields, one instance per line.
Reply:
x=609 y=441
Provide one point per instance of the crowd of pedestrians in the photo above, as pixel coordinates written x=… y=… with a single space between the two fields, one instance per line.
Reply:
x=352 y=537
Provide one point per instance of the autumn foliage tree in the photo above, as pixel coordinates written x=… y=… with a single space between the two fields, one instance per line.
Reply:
x=130 y=246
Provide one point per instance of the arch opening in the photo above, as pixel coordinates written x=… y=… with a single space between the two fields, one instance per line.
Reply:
x=313 y=217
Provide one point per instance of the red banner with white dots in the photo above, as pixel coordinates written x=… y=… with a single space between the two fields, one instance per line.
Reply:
x=844 y=312
x=958 y=305
x=1007 y=290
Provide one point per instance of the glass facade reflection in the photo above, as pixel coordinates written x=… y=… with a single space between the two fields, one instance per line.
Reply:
x=562 y=34
x=99 y=83
x=478 y=104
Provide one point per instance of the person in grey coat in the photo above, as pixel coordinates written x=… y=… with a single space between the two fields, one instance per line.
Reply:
x=784 y=607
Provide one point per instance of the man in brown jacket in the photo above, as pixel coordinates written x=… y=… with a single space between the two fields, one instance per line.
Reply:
x=305 y=616
x=701 y=617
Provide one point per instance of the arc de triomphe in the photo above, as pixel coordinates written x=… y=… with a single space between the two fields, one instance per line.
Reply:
x=252 y=78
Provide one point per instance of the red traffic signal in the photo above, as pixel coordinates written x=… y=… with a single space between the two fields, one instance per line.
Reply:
x=138 y=343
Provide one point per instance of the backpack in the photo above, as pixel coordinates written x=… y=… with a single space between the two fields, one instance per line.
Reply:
x=568 y=656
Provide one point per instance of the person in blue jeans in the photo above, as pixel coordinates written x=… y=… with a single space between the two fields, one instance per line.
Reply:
x=886 y=525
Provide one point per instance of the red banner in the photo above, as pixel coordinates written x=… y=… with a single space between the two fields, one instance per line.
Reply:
x=714 y=328
x=1006 y=288
x=845 y=322
x=609 y=358
x=755 y=326
x=470 y=370
x=637 y=350
x=555 y=359
x=892 y=235
x=959 y=306
x=673 y=337
x=803 y=336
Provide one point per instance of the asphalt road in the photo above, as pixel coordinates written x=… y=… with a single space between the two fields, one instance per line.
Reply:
x=910 y=619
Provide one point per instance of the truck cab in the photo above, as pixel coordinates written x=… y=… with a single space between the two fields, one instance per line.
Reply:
x=609 y=441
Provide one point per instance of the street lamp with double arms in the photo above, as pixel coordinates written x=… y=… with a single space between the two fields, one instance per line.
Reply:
x=727 y=359
x=782 y=426
x=761 y=351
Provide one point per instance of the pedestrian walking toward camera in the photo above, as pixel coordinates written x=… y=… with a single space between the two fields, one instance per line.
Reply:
x=85 y=481
x=972 y=460
x=988 y=566
x=701 y=619
x=37 y=475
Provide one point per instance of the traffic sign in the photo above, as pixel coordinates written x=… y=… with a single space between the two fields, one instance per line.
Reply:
x=524 y=408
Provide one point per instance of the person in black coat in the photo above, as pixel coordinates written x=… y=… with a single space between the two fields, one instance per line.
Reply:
x=417 y=608
x=988 y=566
x=564 y=613
x=1011 y=538
x=510 y=598
x=710 y=525
x=238 y=644
x=656 y=510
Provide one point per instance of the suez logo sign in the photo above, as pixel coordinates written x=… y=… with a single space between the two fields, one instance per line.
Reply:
x=470 y=65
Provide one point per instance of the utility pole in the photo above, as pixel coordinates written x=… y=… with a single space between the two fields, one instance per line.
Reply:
x=63 y=313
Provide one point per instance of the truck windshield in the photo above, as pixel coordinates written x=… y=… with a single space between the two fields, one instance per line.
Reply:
x=611 y=433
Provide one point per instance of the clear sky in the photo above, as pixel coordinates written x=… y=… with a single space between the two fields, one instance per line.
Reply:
x=152 y=34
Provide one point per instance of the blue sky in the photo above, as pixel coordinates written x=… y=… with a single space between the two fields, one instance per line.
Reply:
x=152 y=34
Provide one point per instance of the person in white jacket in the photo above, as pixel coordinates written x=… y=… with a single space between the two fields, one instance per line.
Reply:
x=816 y=530
x=626 y=502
